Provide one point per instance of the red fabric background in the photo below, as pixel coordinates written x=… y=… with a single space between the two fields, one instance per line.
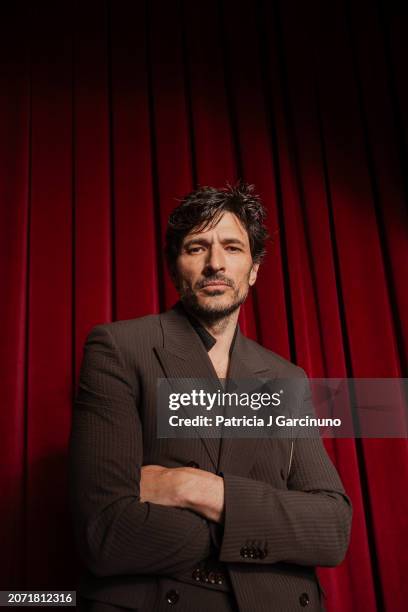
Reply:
x=108 y=112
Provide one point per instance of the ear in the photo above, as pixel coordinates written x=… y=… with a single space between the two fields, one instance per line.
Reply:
x=253 y=274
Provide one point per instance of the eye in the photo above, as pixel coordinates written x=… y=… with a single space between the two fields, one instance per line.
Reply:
x=233 y=249
x=195 y=249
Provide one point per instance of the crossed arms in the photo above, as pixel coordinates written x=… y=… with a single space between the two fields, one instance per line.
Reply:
x=130 y=519
x=184 y=487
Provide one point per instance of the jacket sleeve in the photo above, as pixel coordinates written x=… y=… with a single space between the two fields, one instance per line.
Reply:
x=307 y=524
x=115 y=532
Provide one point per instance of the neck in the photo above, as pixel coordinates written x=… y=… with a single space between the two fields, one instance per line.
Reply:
x=222 y=328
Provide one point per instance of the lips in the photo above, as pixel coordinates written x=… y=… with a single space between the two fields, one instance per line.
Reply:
x=216 y=284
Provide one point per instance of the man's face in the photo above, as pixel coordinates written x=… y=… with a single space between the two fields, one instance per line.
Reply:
x=215 y=269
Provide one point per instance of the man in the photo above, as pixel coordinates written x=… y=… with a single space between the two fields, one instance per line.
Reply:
x=197 y=524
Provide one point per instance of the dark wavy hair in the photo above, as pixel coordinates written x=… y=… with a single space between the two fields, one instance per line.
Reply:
x=202 y=208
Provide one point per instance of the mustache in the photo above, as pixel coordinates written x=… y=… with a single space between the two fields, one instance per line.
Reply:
x=212 y=279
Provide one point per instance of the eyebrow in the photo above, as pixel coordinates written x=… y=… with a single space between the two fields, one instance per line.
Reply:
x=205 y=242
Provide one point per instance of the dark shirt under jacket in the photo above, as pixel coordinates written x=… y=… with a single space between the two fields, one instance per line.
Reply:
x=207 y=339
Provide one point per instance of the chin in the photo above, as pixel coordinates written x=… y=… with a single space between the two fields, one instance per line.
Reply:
x=214 y=304
x=214 y=296
x=212 y=307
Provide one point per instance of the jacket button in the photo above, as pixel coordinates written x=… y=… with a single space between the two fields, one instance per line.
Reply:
x=172 y=597
x=244 y=552
x=219 y=579
x=304 y=600
x=211 y=577
x=196 y=575
x=192 y=464
x=262 y=554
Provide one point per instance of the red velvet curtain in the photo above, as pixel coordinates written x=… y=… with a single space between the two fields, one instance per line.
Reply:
x=110 y=111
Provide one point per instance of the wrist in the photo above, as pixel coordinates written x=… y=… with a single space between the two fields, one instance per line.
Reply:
x=205 y=495
x=189 y=489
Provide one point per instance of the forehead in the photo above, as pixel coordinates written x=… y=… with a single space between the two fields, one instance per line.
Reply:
x=227 y=226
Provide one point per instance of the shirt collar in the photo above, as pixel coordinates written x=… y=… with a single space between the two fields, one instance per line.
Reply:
x=207 y=339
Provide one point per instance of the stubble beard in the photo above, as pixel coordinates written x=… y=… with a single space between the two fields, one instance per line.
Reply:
x=211 y=313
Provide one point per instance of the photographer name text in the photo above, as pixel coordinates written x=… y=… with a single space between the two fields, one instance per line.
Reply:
x=252 y=421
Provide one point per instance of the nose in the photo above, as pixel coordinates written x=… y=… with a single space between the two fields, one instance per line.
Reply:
x=215 y=260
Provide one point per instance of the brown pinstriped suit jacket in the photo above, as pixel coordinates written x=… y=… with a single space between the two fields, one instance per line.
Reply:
x=301 y=517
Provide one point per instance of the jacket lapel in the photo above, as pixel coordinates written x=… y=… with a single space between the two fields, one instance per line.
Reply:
x=183 y=355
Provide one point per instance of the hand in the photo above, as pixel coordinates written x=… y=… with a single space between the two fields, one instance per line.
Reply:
x=184 y=487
